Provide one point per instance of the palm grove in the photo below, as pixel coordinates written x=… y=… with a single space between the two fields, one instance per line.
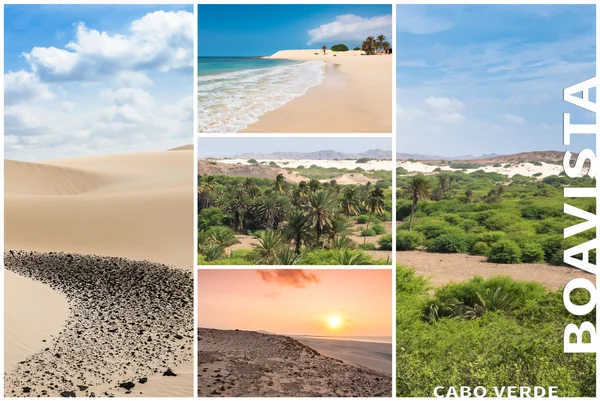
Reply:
x=371 y=45
x=305 y=223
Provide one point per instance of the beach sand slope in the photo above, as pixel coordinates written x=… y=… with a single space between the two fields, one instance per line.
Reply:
x=252 y=364
x=355 y=96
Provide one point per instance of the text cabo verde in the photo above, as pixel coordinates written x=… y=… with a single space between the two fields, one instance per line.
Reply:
x=589 y=220
x=504 y=391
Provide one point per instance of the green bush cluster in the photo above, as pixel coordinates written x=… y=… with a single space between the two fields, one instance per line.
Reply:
x=520 y=220
x=495 y=332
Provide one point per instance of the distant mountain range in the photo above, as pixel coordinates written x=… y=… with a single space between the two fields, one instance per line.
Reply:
x=319 y=155
x=546 y=156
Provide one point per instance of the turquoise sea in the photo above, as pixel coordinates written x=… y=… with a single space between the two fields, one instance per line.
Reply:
x=234 y=92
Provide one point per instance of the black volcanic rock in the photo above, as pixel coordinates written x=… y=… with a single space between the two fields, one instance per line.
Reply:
x=104 y=294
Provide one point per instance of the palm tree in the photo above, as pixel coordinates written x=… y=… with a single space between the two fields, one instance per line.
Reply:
x=350 y=202
x=374 y=205
x=340 y=226
x=206 y=185
x=386 y=46
x=280 y=184
x=271 y=209
x=419 y=188
x=297 y=229
x=368 y=46
x=380 y=40
x=321 y=211
x=265 y=252
x=324 y=48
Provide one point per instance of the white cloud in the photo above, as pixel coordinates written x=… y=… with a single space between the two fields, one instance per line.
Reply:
x=434 y=109
x=413 y=19
x=158 y=41
x=128 y=96
x=22 y=86
x=514 y=119
x=350 y=27
x=86 y=98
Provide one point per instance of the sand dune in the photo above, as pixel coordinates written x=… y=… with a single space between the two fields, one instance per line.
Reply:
x=136 y=206
x=141 y=210
x=349 y=164
x=524 y=168
x=252 y=364
x=23 y=178
x=355 y=96
x=39 y=316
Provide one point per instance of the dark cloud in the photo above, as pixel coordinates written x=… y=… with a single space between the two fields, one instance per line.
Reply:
x=293 y=277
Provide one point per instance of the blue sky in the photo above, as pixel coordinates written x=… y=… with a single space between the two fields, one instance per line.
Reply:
x=489 y=79
x=228 y=147
x=258 y=30
x=91 y=79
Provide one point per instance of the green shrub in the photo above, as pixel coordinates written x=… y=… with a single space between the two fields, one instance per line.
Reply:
x=363 y=160
x=480 y=248
x=379 y=229
x=409 y=240
x=252 y=161
x=339 y=48
x=362 y=219
x=490 y=237
x=385 y=242
x=505 y=251
x=367 y=247
x=537 y=174
x=356 y=48
x=497 y=165
x=450 y=243
x=532 y=252
x=368 y=233
x=210 y=217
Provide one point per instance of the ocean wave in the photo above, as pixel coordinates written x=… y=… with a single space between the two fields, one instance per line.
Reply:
x=229 y=102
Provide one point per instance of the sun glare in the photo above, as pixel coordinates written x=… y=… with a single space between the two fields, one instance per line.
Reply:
x=334 y=322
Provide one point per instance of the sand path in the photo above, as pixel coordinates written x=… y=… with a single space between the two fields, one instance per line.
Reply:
x=134 y=205
x=446 y=268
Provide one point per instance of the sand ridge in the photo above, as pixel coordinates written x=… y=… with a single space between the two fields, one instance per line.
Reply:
x=131 y=205
x=248 y=363
x=128 y=321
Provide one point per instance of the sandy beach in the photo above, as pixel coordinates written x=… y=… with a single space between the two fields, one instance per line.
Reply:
x=128 y=209
x=354 y=96
x=248 y=363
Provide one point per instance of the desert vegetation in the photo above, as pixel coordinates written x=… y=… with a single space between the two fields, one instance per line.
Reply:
x=494 y=332
x=287 y=223
x=507 y=220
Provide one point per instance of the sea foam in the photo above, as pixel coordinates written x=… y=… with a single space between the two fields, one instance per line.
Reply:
x=229 y=102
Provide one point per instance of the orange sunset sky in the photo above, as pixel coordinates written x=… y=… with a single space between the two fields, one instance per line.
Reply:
x=296 y=302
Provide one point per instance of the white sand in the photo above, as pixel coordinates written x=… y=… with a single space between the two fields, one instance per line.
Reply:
x=526 y=169
x=349 y=164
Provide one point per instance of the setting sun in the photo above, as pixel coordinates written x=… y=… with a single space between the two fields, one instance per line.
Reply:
x=334 y=322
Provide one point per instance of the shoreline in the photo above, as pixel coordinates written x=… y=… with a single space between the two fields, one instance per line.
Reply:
x=355 y=96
